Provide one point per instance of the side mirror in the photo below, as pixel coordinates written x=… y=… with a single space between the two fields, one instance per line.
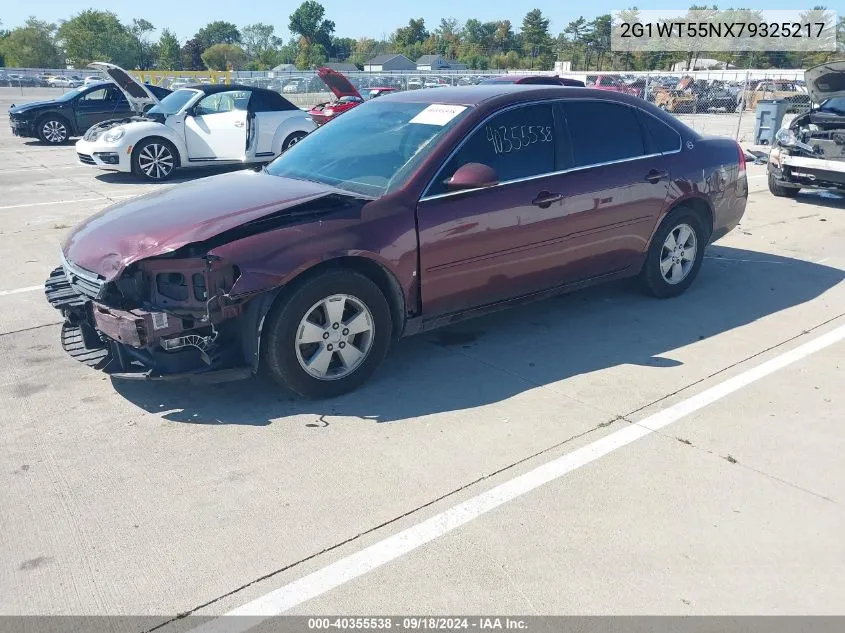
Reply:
x=472 y=176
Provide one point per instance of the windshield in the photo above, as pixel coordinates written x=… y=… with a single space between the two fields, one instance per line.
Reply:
x=372 y=149
x=835 y=105
x=173 y=102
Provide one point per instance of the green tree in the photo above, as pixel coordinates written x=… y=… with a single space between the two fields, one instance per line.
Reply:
x=169 y=55
x=92 y=36
x=311 y=56
x=257 y=38
x=308 y=22
x=218 y=32
x=224 y=57
x=536 y=40
x=342 y=48
x=415 y=33
x=192 y=55
x=140 y=29
x=31 y=46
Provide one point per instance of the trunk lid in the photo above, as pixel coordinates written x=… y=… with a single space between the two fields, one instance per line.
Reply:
x=136 y=93
x=337 y=83
x=826 y=81
x=165 y=220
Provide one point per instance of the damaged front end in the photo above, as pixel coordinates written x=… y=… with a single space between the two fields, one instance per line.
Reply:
x=811 y=152
x=164 y=318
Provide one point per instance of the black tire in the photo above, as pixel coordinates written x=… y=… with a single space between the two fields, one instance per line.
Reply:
x=780 y=191
x=651 y=276
x=278 y=342
x=53 y=130
x=141 y=160
x=293 y=139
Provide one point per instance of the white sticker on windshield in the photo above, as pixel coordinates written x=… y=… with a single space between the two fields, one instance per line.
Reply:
x=438 y=114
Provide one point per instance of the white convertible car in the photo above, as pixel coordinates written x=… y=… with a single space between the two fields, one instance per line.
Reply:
x=194 y=126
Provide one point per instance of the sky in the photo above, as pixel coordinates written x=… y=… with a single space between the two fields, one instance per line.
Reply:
x=377 y=20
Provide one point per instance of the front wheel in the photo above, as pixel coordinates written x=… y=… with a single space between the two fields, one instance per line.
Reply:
x=781 y=191
x=329 y=336
x=154 y=160
x=53 y=131
x=675 y=255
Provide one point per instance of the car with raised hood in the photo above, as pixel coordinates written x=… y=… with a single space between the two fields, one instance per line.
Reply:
x=57 y=120
x=411 y=211
x=346 y=96
x=195 y=126
x=810 y=151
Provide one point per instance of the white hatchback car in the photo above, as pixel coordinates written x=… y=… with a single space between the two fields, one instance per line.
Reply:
x=195 y=126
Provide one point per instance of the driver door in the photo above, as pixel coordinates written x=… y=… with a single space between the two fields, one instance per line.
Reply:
x=217 y=128
x=99 y=105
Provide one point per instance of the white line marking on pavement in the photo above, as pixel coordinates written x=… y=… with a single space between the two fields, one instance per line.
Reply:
x=16 y=291
x=41 y=204
x=355 y=565
x=3 y=172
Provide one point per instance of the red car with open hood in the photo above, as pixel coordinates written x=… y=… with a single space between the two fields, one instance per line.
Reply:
x=347 y=96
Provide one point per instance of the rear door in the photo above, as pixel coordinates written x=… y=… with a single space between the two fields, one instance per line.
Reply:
x=100 y=104
x=217 y=128
x=616 y=189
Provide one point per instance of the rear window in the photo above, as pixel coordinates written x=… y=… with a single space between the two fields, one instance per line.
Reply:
x=663 y=138
x=602 y=131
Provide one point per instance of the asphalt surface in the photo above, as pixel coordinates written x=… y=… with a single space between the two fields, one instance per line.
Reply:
x=164 y=499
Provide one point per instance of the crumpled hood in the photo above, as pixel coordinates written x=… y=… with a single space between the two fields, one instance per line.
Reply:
x=163 y=221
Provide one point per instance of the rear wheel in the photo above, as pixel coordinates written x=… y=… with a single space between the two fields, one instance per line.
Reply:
x=675 y=256
x=53 y=130
x=154 y=160
x=293 y=139
x=781 y=191
x=328 y=336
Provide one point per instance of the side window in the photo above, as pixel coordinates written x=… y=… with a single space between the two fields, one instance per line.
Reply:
x=663 y=138
x=517 y=143
x=208 y=105
x=96 y=96
x=602 y=131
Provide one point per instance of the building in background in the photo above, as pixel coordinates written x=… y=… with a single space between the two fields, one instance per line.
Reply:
x=389 y=61
x=436 y=62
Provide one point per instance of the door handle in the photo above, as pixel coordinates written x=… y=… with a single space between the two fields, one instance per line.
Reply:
x=656 y=175
x=544 y=199
x=239 y=123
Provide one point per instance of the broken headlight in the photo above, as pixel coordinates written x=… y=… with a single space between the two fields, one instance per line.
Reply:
x=786 y=137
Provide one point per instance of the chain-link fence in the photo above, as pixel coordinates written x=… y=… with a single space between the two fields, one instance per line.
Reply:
x=718 y=102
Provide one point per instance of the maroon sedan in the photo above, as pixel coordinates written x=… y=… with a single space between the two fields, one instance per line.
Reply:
x=411 y=211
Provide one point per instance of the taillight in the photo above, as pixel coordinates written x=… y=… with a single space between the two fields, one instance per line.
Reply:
x=741 y=159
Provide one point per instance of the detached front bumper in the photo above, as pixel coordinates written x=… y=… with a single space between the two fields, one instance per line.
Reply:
x=110 y=156
x=146 y=345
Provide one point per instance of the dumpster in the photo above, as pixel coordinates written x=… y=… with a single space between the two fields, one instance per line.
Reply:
x=768 y=117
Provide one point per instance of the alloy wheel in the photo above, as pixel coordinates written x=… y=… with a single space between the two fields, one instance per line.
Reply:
x=156 y=160
x=677 y=256
x=334 y=337
x=54 y=131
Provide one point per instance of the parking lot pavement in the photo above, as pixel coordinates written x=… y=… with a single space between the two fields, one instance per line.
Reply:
x=163 y=499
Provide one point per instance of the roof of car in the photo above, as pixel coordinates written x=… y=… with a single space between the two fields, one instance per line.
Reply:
x=211 y=89
x=475 y=95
